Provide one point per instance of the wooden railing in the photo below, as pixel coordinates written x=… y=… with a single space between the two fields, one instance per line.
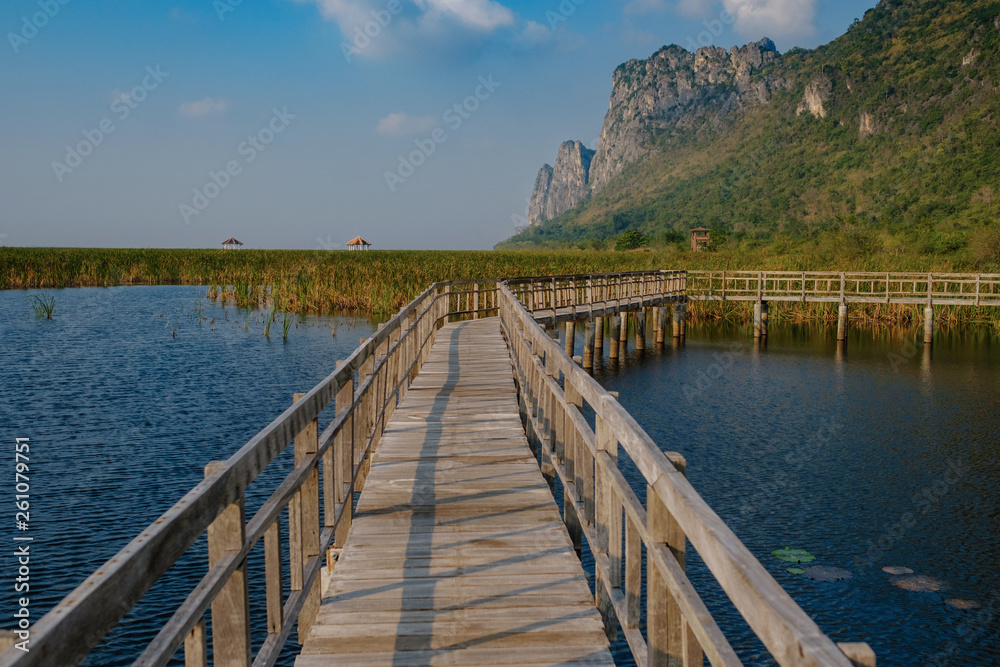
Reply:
x=316 y=518
x=566 y=298
x=958 y=289
x=317 y=506
x=600 y=504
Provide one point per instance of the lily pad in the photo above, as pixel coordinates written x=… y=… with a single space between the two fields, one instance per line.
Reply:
x=790 y=555
x=795 y=570
x=827 y=573
x=962 y=604
x=893 y=569
x=919 y=583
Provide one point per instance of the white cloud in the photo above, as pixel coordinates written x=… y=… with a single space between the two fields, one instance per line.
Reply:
x=206 y=107
x=780 y=19
x=486 y=15
x=373 y=28
x=400 y=124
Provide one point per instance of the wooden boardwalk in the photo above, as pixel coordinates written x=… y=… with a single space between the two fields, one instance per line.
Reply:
x=457 y=554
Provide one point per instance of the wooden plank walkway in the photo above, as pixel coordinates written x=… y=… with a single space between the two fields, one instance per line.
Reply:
x=457 y=554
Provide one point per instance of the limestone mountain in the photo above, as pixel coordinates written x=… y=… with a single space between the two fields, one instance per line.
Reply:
x=895 y=124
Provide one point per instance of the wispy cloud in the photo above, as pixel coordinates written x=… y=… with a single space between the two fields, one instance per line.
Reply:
x=375 y=28
x=780 y=19
x=206 y=107
x=178 y=14
x=400 y=124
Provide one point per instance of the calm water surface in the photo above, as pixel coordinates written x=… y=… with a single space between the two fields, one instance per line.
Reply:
x=884 y=457
x=126 y=394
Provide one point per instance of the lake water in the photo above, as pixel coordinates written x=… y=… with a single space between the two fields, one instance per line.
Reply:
x=125 y=395
x=885 y=457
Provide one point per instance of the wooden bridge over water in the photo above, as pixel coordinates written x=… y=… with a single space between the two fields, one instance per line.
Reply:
x=456 y=422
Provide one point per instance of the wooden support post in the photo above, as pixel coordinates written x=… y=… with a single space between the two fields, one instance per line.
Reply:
x=306 y=444
x=640 y=330
x=661 y=326
x=616 y=327
x=842 y=322
x=447 y=303
x=570 y=342
x=195 y=646
x=678 y=320
x=231 y=607
x=588 y=345
x=475 y=301
x=599 y=337
x=623 y=336
x=929 y=325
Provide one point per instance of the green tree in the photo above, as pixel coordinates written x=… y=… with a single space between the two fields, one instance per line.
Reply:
x=631 y=240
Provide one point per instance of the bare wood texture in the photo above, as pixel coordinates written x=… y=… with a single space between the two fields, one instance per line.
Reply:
x=231 y=607
x=457 y=550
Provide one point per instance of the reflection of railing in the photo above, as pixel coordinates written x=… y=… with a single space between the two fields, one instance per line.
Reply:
x=830 y=286
x=383 y=365
x=600 y=504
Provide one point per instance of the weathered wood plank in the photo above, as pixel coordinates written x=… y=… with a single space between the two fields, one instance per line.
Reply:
x=457 y=553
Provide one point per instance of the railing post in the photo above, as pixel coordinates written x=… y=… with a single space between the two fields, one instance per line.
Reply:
x=273 y=576
x=196 y=646
x=343 y=464
x=670 y=641
x=860 y=654
x=475 y=301
x=231 y=607
x=608 y=528
x=447 y=303
x=573 y=447
x=306 y=444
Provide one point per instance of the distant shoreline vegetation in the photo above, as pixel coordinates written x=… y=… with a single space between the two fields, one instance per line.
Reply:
x=381 y=281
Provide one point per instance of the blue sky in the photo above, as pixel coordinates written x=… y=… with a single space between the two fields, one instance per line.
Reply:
x=179 y=124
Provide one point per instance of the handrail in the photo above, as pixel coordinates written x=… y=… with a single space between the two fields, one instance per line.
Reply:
x=384 y=364
x=599 y=503
x=679 y=627
x=961 y=289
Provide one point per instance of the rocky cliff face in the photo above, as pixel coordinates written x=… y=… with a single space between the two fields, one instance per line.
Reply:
x=561 y=188
x=652 y=101
x=677 y=91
